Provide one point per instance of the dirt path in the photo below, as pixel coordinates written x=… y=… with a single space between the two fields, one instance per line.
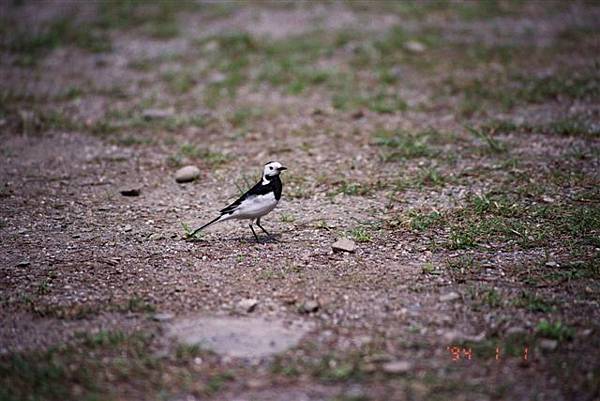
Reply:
x=456 y=144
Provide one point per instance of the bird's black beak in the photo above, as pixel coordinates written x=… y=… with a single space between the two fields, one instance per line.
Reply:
x=282 y=168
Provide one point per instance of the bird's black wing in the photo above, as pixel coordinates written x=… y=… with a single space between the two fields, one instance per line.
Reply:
x=257 y=189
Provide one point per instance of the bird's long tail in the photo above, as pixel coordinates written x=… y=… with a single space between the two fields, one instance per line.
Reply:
x=206 y=225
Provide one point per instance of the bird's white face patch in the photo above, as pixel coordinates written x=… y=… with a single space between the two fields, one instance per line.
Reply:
x=272 y=169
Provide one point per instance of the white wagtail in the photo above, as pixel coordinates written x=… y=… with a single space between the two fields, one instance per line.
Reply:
x=257 y=202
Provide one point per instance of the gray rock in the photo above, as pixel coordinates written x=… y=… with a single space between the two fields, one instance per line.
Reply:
x=156 y=114
x=163 y=317
x=309 y=307
x=547 y=344
x=156 y=237
x=23 y=263
x=516 y=331
x=242 y=337
x=187 y=174
x=454 y=336
x=449 y=297
x=247 y=305
x=130 y=191
x=396 y=367
x=127 y=228
x=414 y=46
x=344 y=245
x=552 y=264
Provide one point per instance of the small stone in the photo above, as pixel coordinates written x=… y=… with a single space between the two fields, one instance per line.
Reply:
x=23 y=263
x=247 y=305
x=548 y=199
x=453 y=336
x=344 y=245
x=449 y=297
x=130 y=191
x=163 y=317
x=548 y=345
x=156 y=114
x=396 y=367
x=187 y=174
x=552 y=264
x=516 y=331
x=156 y=237
x=309 y=307
x=127 y=228
x=357 y=115
x=414 y=46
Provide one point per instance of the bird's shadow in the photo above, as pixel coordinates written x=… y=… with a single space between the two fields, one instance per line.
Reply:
x=242 y=239
x=262 y=239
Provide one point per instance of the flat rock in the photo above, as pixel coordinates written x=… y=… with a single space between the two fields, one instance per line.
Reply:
x=449 y=297
x=548 y=345
x=414 y=46
x=454 y=336
x=397 y=367
x=130 y=191
x=309 y=307
x=344 y=245
x=247 y=305
x=187 y=174
x=156 y=114
x=516 y=331
x=240 y=337
x=163 y=317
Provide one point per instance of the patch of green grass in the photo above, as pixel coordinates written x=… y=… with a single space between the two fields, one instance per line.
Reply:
x=287 y=218
x=115 y=122
x=68 y=371
x=403 y=145
x=156 y=19
x=43 y=287
x=554 y=330
x=184 y=352
x=162 y=29
x=187 y=231
x=37 y=122
x=568 y=126
x=328 y=369
x=477 y=95
x=31 y=45
x=481 y=297
x=533 y=303
x=350 y=97
x=218 y=381
x=179 y=81
x=136 y=304
x=461 y=266
x=241 y=116
x=361 y=234
x=102 y=338
x=493 y=145
x=423 y=221
x=429 y=177
x=352 y=189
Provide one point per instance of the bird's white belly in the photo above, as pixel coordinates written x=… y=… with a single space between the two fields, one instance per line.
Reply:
x=256 y=206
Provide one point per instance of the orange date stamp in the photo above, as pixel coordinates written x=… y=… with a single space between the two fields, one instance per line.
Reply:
x=461 y=353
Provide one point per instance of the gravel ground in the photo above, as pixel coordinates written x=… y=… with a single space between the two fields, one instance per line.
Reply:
x=455 y=143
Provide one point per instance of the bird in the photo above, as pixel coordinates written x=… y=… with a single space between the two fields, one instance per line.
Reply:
x=257 y=202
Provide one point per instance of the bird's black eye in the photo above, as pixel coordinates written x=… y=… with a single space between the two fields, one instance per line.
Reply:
x=270 y=167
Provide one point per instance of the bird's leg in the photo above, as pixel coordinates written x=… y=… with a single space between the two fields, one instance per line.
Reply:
x=253 y=232
x=261 y=227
